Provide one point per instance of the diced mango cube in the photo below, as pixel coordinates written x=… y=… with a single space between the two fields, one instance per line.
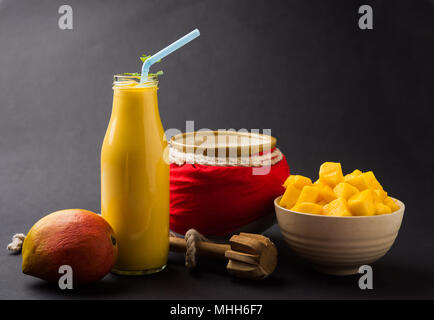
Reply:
x=290 y=196
x=308 y=207
x=381 y=208
x=345 y=190
x=372 y=181
x=322 y=203
x=330 y=173
x=326 y=194
x=338 y=208
x=360 y=181
x=362 y=203
x=391 y=204
x=379 y=195
x=286 y=182
x=309 y=194
x=318 y=182
x=297 y=181
x=353 y=174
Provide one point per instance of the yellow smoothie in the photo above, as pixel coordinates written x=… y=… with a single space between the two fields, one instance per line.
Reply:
x=135 y=178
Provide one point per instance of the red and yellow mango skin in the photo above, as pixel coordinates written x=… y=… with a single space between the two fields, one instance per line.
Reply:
x=79 y=238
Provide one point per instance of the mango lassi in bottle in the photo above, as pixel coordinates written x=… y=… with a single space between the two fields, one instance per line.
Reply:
x=135 y=177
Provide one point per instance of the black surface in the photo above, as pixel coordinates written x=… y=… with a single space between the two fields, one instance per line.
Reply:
x=328 y=91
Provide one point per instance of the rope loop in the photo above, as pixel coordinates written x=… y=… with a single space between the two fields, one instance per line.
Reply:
x=17 y=243
x=191 y=237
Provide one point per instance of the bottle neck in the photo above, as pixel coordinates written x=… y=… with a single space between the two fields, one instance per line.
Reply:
x=121 y=81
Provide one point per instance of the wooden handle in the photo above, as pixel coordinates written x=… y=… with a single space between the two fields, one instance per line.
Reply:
x=210 y=249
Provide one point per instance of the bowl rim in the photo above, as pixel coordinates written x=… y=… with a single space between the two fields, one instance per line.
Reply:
x=399 y=211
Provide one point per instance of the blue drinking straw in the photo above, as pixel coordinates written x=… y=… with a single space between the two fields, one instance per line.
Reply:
x=165 y=52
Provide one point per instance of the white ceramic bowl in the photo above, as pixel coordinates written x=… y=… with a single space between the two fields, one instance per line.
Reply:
x=338 y=245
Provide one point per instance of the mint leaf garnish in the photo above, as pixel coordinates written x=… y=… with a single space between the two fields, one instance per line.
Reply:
x=135 y=74
x=143 y=58
x=158 y=73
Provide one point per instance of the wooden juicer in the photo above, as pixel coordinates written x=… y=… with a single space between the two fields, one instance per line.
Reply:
x=251 y=256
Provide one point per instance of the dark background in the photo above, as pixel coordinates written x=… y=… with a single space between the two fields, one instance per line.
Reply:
x=328 y=90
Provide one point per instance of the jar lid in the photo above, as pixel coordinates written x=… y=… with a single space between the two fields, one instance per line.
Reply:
x=220 y=143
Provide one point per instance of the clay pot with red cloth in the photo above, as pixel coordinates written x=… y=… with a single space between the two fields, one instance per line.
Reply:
x=222 y=182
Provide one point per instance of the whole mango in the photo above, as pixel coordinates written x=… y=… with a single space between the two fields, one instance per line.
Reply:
x=78 y=238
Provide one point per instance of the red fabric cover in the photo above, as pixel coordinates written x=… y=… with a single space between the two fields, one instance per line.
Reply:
x=218 y=200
